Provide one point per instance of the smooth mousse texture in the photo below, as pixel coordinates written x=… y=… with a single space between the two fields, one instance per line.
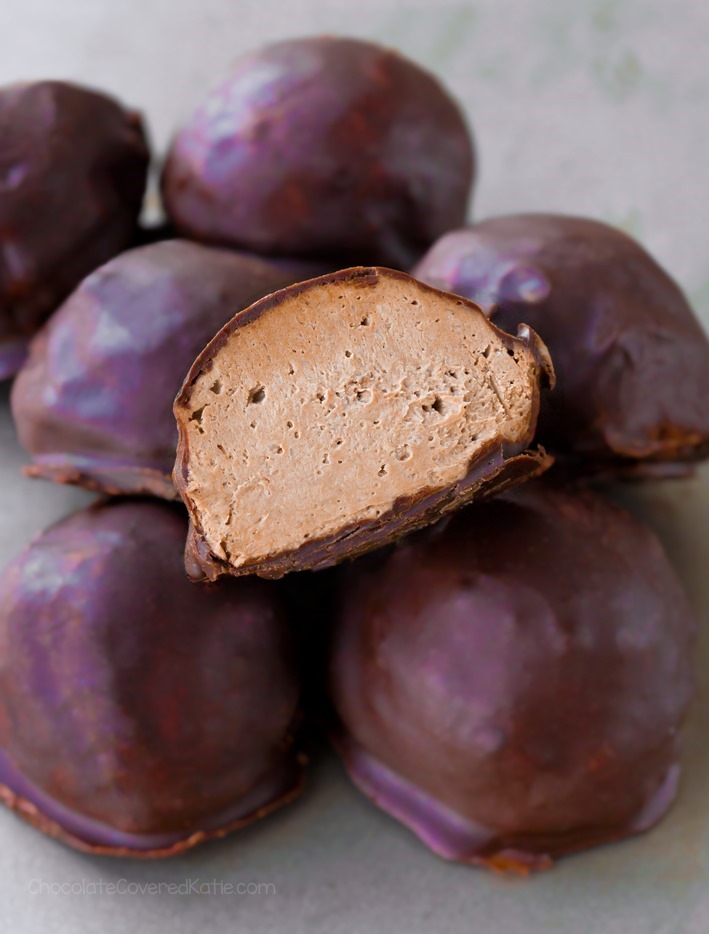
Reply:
x=139 y=714
x=93 y=404
x=511 y=683
x=632 y=360
x=323 y=147
x=334 y=406
x=73 y=167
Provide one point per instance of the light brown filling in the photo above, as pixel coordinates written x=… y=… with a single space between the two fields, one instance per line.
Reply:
x=334 y=403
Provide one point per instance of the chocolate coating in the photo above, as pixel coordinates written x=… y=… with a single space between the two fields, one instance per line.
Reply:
x=511 y=684
x=323 y=147
x=139 y=714
x=73 y=166
x=93 y=404
x=631 y=359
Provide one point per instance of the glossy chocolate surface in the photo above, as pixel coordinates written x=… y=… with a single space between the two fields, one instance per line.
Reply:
x=323 y=147
x=140 y=714
x=632 y=360
x=73 y=166
x=93 y=404
x=511 y=683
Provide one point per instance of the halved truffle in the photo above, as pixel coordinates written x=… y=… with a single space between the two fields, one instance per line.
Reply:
x=511 y=684
x=139 y=714
x=323 y=147
x=93 y=403
x=73 y=167
x=339 y=413
x=632 y=360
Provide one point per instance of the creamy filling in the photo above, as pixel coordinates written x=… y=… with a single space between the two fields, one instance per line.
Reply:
x=338 y=401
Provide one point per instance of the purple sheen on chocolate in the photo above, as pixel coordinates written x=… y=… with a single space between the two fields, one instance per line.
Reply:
x=454 y=837
x=524 y=284
x=631 y=359
x=73 y=168
x=13 y=354
x=93 y=404
x=113 y=477
x=446 y=832
x=136 y=710
x=511 y=683
x=84 y=833
x=323 y=147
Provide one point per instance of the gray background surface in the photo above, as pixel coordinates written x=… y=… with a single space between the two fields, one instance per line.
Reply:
x=598 y=107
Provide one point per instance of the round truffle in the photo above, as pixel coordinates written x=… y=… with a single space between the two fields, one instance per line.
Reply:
x=323 y=147
x=73 y=166
x=140 y=714
x=354 y=408
x=93 y=403
x=631 y=359
x=511 y=684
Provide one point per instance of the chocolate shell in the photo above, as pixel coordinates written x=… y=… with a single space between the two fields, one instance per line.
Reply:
x=323 y=147
x=93 y=404
x=336 y=415
x=73 y=166
x=631 y=359
x=511 y=683
x=140 y=715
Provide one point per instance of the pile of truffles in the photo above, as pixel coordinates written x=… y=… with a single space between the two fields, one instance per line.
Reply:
x=315 y=360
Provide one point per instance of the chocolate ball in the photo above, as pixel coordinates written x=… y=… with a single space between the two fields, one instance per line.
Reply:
x=631 y=359
x=73 y=166
x=341 y=413
x=323 y=147
x=140 y=714
x=93 y=404
x=511 y=684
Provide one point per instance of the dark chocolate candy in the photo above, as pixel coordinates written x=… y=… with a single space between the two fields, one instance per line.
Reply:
x=511 y=683
x=340 y=413
x=631 y=359
x=139 y=714
x=73 y=167
x=93 y=404
x=323 y=147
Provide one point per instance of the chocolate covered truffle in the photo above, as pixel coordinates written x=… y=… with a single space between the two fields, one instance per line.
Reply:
x=323 y=147
x=139 y=714
x=73 y=167
x=93 y=404
x=511 y=684
x=339 y=413
x=632 y=360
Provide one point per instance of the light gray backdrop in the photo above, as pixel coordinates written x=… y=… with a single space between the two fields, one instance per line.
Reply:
x=599 y=107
